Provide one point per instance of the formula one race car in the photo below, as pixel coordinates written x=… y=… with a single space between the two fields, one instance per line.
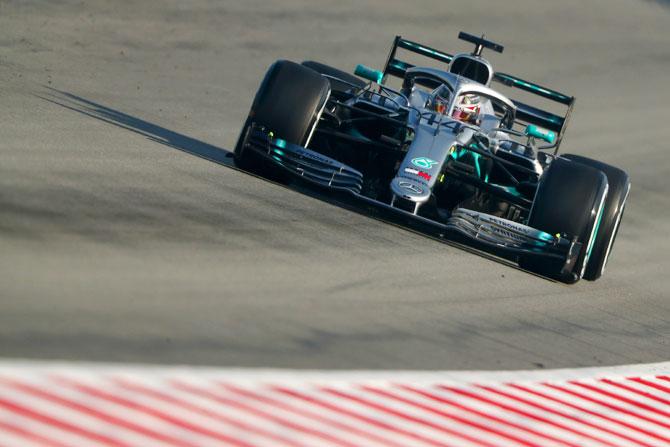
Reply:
x=444 y=149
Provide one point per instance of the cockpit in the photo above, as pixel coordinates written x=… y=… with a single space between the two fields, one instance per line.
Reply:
x=466 y=108
x=472 y=104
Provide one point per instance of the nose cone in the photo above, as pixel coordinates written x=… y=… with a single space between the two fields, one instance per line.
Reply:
x=410 y=190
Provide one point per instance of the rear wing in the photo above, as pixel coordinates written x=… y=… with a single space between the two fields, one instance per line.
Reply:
x=524 y=114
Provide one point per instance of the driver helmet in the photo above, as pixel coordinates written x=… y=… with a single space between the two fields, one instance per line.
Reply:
x=466 y=109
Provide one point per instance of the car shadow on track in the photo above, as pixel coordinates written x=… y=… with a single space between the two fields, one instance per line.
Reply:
x=224 y=157
x=152 y=131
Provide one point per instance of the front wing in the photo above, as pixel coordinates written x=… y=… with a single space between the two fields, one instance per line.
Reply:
x=483 y=231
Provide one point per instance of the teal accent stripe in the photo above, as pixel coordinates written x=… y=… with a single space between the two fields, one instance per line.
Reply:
x=476 y=157
x=422 y=49
x=534 y=87
x=400 y=65
x=280 y=143
x=509 y=189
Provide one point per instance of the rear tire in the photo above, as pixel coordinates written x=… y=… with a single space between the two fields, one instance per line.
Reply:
x=570 y=199
x=288 y=103
x=619 y=187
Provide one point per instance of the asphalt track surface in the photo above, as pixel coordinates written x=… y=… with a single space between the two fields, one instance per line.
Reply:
x=126 y=234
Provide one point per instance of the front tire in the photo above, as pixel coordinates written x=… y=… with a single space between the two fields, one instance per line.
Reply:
x=288 y=103
x=619 y=188
x=570 y=199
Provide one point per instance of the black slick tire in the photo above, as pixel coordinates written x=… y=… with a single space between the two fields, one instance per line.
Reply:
x=288 y=103
x=569 y=200
x=617 y=194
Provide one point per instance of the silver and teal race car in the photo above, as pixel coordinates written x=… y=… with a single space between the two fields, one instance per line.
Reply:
x=444 y=149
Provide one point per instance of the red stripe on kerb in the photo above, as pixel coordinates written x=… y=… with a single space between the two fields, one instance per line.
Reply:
x=28 y=434
x=636 y=391
x=649 y=383
x=630 y=402
x=531 y=415
x=110 y=419
x=310 y=415
x=596 y=414
x=598 y=402
x=32 y=414
x=407 y=417
x=462 y=407
x=260 y=413
x=151 y=411
x=203 y=411
x=450 y=416
x=353 y=414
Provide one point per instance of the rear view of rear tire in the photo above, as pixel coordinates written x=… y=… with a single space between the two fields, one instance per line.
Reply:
x=570 y=199
x=619 y=187
x=288 y=103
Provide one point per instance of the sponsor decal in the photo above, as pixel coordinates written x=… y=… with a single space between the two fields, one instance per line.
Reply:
x=314 y=156
x=423 y=162
x=510 y=225
x=411 y=187
x=424 y=175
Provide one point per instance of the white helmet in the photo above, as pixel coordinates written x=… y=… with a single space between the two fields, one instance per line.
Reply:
x=466 y=109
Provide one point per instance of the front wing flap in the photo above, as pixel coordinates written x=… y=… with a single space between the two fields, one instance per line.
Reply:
x=310 y=165
x=513 y=237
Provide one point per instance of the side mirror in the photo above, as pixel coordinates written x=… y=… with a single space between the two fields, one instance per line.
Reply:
x=538 y=132
x=369 y=73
